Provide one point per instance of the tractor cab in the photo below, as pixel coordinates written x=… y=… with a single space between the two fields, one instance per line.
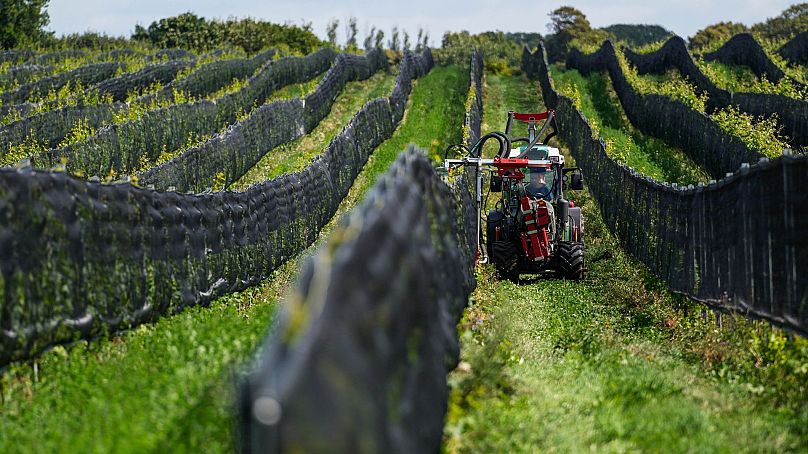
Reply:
x=541 y=181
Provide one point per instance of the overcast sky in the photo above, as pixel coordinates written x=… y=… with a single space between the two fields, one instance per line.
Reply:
x=684 y=17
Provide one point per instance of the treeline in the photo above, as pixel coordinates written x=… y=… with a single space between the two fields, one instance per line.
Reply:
x=779 y=29
x=23 y=22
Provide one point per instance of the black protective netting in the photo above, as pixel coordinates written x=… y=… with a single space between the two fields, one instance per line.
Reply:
x=792 y=114
x=668 y=119
x=87 y=75
x=213 y=76
x=358 y=362
x=234 y=152
x=120 y=87
x=15 y=56
x=79 y=258
x=796 y=50
x=474 y=103
x=744 y=50
x=123 y=148
x=23 y=74
x=737 y=244
x=51 y=127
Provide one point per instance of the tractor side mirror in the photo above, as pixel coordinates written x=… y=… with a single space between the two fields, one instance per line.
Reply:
x=496 y=183
x=577 y=181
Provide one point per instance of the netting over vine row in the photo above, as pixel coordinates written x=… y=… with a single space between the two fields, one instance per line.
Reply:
x=358 y=362
x=739 y=244
x=80 y=258
x=233 y=153
x=50 y=128
x=792 y=114
x=660 y=116
x=123 y=148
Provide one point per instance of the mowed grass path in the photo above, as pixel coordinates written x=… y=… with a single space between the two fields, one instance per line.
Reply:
x=168 y=387
x=616 y=364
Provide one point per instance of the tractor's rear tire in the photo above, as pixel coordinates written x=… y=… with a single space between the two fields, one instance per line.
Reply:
x=570 y=260
x=505 y=255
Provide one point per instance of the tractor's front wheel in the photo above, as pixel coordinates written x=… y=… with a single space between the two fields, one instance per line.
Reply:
x=570 y=260
x=505 y=256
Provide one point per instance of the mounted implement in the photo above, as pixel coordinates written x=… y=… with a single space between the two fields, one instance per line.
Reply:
x=532 y=229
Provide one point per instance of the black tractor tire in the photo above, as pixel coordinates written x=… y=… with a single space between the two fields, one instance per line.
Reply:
x=570 y=260
x=505 y=256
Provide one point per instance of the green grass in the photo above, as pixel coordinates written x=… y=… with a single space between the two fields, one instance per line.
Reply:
x=647 y=155
x=506 y=93
x=618 y=364
x=298 y=154
x=168 y=386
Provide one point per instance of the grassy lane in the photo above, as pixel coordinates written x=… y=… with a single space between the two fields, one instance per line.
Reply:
x=647 y=155
x=167 y=387
x=298 y=154
x=618 y=364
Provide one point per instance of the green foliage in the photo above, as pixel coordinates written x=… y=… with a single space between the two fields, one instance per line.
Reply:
x=567 y=25
x=19 y=151
x=531 y=40
x=639 y=34
x=789 y=23
x=23 y=22
x=760 y=134
x=190 y=31
x=712 y=37
x=502 y=55
x=80 y=132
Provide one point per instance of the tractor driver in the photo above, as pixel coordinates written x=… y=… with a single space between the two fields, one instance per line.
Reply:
x=537 y=185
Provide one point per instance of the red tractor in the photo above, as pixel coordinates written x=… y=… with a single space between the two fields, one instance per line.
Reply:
x=532 y=229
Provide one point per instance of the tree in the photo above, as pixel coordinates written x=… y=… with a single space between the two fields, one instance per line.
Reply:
x=189 y=31
x=789 y=23
x=406 y=45
x=569 y=24
x=638 y=34
x=714 y=35
x=350 y=34
x=331 y=32
x=378 y=41
x=425 y=42
x=393 y=44
x=23 y=22
x=368 y=44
